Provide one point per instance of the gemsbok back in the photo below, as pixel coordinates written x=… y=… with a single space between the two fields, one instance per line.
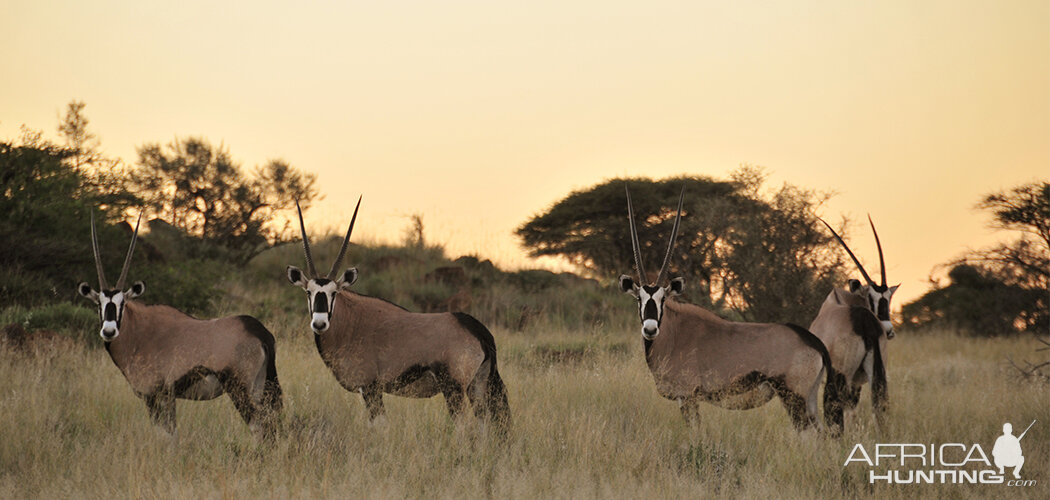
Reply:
x=855 y=326
x=695 y=356
x=373 y=346
x=166 y=354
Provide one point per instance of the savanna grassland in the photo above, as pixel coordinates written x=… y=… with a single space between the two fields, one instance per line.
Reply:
x=587 y=423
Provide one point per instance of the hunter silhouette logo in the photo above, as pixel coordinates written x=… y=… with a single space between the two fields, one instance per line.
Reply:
x=1007 y=450
x=944 y=463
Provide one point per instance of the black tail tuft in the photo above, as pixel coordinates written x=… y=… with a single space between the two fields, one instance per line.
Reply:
x=496 y=400
x=834 y=383
x=272 y=395
x=879 y=396
x=494 y=406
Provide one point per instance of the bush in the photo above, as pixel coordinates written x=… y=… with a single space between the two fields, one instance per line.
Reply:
x=80 y=323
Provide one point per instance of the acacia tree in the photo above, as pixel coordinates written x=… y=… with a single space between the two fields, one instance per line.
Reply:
x=1004 y=288
x=201 y=190
x=1026 y=209
x=762 y=257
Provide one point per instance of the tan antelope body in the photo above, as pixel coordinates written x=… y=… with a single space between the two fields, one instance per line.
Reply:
x=373 y=346
x=856 y=343
x=166 y=354
x=855 y=325
x=695 y=356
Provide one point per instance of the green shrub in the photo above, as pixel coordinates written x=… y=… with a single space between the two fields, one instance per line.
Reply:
x=80 y=323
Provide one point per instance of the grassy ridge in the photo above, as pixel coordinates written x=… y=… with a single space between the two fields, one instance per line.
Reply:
x=587 y=424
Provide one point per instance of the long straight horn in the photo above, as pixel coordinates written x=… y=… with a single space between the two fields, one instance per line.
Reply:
x=346 y=242
x=634 y=241
x=127 y=258
x=882 y=263
x=102 y=285
x=674 y=237
x=306 y=243
x=850 y=252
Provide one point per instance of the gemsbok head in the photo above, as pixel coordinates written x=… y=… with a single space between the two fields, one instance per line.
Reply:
x=652 y=296
x=373 y=346
x=111 y=301
x=876 y=296
x=321 y=291
x=694 y=355
x=166 y=354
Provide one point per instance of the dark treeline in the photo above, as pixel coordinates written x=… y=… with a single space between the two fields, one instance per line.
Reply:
x=746 y=251
x=205 y=213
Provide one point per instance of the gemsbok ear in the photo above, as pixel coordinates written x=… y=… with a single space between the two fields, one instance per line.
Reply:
x=138 y=288
x=893 y=289
x=854 y=285
x=627 y=285
x=295 y=275
x=348 y=278
x=85 y=290
x=677 y=285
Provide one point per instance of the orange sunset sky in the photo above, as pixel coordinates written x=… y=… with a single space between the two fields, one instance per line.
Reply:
x=480 y=114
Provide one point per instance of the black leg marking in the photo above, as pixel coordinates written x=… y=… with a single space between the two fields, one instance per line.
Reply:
x=794 y=403
x=161 y=406
x=834 y=405
x=690 y=408
x=453 y=390
x=373 y=397
x=240 y=395
x=851 y=396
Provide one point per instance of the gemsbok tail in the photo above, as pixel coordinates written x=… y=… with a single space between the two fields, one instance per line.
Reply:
x=272 y=399
x=272 y=396
x=834 y=382
x=879 y=396
x=493 y=404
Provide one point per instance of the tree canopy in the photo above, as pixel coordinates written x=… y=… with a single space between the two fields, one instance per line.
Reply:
x=213 y=212
x=760 y=256
x=199 y=189
x=1003 y=288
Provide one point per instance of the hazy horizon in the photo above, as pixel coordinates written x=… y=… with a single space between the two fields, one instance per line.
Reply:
x=479 y=115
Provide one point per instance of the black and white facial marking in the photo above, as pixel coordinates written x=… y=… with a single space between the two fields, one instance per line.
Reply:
x=877 y=297
x=320 y=293
x=651 y=300
x=111 y=306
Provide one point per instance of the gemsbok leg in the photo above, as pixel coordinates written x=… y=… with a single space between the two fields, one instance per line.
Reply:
x=161 y=406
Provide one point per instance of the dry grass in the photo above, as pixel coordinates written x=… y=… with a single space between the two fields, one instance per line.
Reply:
x=586 y=424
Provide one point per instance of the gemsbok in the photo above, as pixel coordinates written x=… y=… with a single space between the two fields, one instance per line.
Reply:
x=855 y=326
x=166 y=354
x=695 y=356
x=373 y=346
